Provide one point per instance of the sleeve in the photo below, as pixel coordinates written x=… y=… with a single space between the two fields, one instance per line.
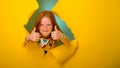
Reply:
x=62 y=52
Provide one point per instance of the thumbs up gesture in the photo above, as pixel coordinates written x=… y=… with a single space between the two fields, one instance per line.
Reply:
x=57 y=34
x=33 y=36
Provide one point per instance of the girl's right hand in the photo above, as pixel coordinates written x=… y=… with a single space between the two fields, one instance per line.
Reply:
x=33 y=36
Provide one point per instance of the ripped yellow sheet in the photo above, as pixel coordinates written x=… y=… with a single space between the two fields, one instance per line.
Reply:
x=95 y=24
x=60 y=53
x=63 y=52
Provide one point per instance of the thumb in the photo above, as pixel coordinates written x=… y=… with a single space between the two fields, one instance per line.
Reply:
x=55 y=28
x=33 y=29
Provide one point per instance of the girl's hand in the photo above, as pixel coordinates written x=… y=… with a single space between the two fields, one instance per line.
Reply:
x=57 y=35
x=33 y=36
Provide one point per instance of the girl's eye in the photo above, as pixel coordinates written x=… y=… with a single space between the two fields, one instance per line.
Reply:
x=48 y=24
x=41 y=24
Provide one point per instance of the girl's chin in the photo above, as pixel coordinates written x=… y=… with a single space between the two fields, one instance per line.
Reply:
x=46 y=35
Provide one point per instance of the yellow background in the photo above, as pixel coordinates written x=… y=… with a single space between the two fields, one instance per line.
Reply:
x=95 y=24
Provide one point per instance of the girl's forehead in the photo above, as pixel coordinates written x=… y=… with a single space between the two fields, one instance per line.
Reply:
x=46 y=20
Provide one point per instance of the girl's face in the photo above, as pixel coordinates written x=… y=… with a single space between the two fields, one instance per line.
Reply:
x=45 y=26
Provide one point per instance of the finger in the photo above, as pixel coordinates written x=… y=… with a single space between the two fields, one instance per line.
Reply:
x=36 y=34
x=36 y=39
x=53 y=34
x=55 y=28
x=54 y=38
x=33 y=29
x=53 y=31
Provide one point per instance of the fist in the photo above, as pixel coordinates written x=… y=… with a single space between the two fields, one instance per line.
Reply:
x=33 y=36
x=57 y=34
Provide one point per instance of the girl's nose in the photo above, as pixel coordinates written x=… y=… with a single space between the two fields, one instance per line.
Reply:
x=45 y=28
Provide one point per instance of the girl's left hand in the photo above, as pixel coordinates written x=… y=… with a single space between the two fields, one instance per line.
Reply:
x=57 y=34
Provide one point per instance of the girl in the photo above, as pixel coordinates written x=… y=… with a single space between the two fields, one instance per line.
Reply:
x=46 y=32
